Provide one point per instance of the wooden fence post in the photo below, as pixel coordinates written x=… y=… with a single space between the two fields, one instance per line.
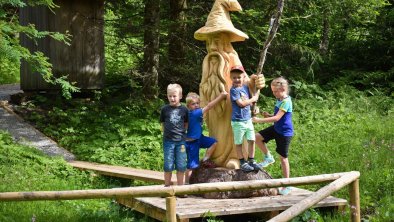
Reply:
x=354 y=201
x=171 y=209
x=314 y=198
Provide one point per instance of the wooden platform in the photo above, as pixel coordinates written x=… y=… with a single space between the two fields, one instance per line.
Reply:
x=196 y=207
x=123 y=172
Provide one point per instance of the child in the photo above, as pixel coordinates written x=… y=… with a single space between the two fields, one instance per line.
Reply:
x=195 y=139
x=282 y=130
x=241 y=119
x=174 y=119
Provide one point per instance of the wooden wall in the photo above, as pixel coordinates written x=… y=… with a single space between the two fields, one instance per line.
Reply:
x=83 y=60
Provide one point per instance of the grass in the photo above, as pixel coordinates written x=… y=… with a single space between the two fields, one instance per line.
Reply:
x=336 y=131
x=24 y=168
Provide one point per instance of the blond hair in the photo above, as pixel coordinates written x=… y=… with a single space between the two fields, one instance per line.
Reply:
x=191 y=96
x=174 y=87
x=282 y=83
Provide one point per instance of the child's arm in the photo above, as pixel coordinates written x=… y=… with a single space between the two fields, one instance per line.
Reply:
x=214 y=102
x=271 y=119
x=243 y=103
x=186 y=124
x=266 y=114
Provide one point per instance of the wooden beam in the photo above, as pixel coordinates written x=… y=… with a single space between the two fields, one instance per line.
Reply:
x=355 y=213
x=158 y=190
x=314 y=198
x=171 y=209
x=123 y=172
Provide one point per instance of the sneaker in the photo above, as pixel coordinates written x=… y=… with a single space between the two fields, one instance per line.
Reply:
x=246 y=167
x=267 y=161
x=208 y=164
x=284 y=190
x=255 y=166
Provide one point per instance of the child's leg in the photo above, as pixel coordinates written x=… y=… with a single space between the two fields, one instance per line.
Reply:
x=209 y=152
x=180 y=175
x=167 y=178
x=261 y=144
x=250 y=137
x=188 y=173
x=239 y=151
x=210 y=143
x=282 y=148
x=180 y=162
x=168 y=148
x=251 y=149
x=284 y=162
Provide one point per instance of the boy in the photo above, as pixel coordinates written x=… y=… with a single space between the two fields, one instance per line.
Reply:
x=241 y=119
x=195 y=139
x=282 y=131
x=174 y=119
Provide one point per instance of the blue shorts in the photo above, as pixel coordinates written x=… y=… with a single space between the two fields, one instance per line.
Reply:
x=193 y=150
x=241 y=130
x=174 y=156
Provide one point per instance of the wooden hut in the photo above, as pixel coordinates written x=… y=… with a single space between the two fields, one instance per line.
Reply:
x=83 y=60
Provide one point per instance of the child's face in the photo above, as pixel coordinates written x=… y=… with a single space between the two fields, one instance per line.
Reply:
x=278 y=92
x=174 y=97
x=237 y=78
x=193 y=104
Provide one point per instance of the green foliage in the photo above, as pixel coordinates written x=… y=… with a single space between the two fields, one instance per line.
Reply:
x=127 y=133
x=26 y=169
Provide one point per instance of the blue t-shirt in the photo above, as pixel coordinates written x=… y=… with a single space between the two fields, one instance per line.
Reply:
x=194 y=131
x=240 y=113
x=285 y=125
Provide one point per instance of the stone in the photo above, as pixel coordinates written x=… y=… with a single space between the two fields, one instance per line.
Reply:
x=219 y=174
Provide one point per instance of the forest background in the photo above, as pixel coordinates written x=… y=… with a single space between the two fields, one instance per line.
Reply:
x=338 y=56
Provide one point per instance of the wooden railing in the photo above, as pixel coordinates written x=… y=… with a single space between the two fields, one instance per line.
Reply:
x=338 y=181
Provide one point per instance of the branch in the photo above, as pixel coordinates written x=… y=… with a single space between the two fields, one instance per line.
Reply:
x=274 y=24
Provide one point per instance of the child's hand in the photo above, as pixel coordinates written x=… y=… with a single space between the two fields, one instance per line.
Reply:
x=259 y=81
x=255 y=98
x=255 y=119
x=265 y=114
x=256 y=111
x=224 y=94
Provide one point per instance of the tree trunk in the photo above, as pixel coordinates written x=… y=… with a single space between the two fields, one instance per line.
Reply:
x=323 y=47
x=176 y=48
x=151 y=48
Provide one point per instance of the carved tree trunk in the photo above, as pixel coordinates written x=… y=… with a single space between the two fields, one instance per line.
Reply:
x=151 y=48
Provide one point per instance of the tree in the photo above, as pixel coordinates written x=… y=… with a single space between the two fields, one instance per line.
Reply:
x=151 y=48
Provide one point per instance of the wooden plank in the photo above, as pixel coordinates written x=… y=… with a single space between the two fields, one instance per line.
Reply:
x=154 y=212
x=123 y=172
x=195 y=207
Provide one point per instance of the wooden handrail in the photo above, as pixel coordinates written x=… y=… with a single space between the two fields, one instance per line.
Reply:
x=159 y=190
x=340 y=180
x=314 y=198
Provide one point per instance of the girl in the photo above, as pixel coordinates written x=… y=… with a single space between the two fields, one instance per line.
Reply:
x=282 y=130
